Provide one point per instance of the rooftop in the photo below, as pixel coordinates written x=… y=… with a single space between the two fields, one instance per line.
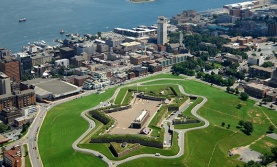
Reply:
x=262 y=68
x=258 y=86
x=57 y=87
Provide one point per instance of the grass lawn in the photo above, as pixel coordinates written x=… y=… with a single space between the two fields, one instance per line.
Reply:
x=27 y=158
x=264 y=145
x=61 y=127
x=186 y=126
x=120 y=96
x=125 y=97
x=205 y=147
x=187 y=112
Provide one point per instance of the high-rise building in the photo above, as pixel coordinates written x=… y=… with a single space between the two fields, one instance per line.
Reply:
x=272 y=29
x=5 y=84
x=10 y=66
x=162 y=30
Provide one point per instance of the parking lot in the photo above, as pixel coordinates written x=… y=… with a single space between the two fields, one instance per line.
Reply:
x=12 y=135
x=125 y=117
x=246 y=154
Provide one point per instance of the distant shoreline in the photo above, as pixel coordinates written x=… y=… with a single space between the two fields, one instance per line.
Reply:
x=141 y=1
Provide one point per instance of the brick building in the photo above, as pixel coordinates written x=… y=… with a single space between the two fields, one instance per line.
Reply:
x=25 y=98
x=12 y=157
x=7 y=101
x=256 y=90
x=138 y=59
x=79 y=80
x=18 y=99
x=8 y=115
x=10 y=66
x=261 y=72
x=141 y=71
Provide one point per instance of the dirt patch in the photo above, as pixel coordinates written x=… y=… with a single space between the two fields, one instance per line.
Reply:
x=124 y=118
x=269 y=144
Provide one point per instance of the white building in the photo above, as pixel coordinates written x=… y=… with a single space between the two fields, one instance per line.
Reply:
x=162 y=30
x=5 y=84
x=27 y=110
x=62 y=62
x=86 y=47
x=255 y=60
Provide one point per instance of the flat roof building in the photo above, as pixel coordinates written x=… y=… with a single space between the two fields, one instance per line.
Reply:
x=5 y=84
x=140 y=120
x=256 y=90
x=51 y=89
x=12 y=157
x=10 y=66
x=261 y=72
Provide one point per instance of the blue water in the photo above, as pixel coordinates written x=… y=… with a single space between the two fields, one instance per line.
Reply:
x=45 y=18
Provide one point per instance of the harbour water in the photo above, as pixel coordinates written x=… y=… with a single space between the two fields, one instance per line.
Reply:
x=46 y=18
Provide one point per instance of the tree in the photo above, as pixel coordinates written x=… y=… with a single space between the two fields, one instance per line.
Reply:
x=241 y=123
x=244 y=96
x=99 y=34
x=223 y=124
x=271 y=129
x=228 y=89
x=248 y=127
x=228 y=126
x=266 y=99
x=239 y=106
x=268 y=64
x=252 y=164
x=265 y=159
x=3 y=127
x=274 y=152
x=237 y=91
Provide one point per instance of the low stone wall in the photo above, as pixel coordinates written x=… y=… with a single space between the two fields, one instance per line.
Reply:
x=122 y=139
x=117 y=109
x=151 y=97
x=185 y=103
x=160 y=121
x=173 y=108
x=176 y=108
x=193 y=121
x=124 y=152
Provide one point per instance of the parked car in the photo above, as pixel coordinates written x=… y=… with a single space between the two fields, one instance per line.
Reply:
x=157 y=154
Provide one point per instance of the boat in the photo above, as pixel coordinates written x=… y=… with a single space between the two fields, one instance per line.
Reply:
x=62 y=32
x=22 y=20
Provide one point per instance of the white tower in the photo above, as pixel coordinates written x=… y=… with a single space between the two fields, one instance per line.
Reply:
x=162 y=30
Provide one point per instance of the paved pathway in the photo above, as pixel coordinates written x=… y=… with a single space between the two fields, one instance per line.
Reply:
x=272 y=135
